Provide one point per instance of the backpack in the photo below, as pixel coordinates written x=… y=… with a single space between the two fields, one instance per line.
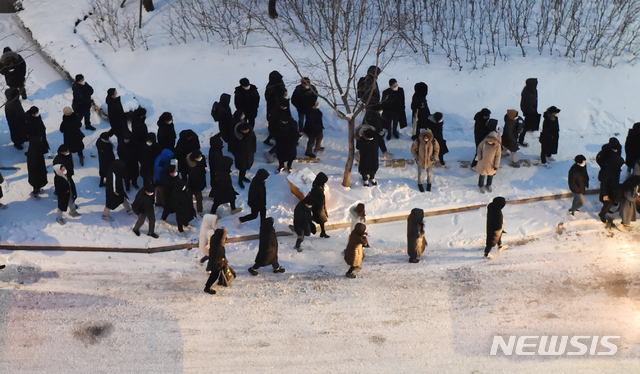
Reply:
x=215 y=111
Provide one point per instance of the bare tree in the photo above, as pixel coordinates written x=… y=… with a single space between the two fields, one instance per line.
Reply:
x=340 y=37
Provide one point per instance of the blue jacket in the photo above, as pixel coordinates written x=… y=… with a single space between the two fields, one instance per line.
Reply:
x=162 y=161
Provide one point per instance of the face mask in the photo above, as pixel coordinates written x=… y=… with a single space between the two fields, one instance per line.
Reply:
x=395 y=88
x=184 y=188
x=380 y=112
x=246 y=88
x=286 y=96
x=490 y=143
x=582 y=164
x=127 y=141
x=81 y=83
x=426 y=140
x=199 y=159
x=170 y=122
x=149 y=144
x=64 y=172
x=65 y=154
x=150 y=193
x=307 y=87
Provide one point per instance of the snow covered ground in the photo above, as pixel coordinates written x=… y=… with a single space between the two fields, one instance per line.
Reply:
x=66 y=312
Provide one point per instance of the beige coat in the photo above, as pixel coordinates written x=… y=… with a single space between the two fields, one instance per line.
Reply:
x=488 y=156
x=425 y=152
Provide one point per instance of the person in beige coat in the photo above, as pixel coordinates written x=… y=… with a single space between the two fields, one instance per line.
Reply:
x=353 y=255
x=425 y=151
x=488 y=158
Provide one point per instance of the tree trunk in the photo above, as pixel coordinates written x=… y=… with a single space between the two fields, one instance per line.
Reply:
x=346 y=180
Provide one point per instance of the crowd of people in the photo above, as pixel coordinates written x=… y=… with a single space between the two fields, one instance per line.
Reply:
x=149 y=158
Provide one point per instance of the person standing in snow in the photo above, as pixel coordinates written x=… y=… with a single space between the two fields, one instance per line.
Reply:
x=419 y=109
x=394 y=106
x=435 y=124
x=72 y=133
x=629 y=198
x=16 y=118
x=549 y=135
x=273 y=94
x=416 y=242
x=357 y=215
x=495 y=224
x=105 y=156
x=247 y=100
x=368 y=145
x=36 y=167
x=2 y=206
x=197 y=177
x=35 y=125
x=217 y=258
x=162 y=162
x=267 y=248
x=488 y=160
x=143 y=207
x=304 y=98
x=215 y=158
x=302 y=222
x=425 y=150
x=512 y=126
x=224 y=192
x=117 y=118
x=14 y=69
x=610 y=163
x=64 y=158
x=313 y=128
x=529 y=108
x=244 y=149
x=221 y=113
x=631 y=147
x=257 y=198
x=286 y=143
x=318 y=202
x=368 y=91
x=373 y=117
x=481 y=126
x=139 y=129
x=116 y=194
x=168 y=179
x=81 y=102
x=183 y=204
x=187 y=143
x=578 y=182
x=65 y=191
x=354 y=254
x=128 y=151
x=149 y=151
x=166 y=132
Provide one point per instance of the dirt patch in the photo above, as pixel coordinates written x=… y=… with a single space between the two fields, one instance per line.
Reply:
x=377 y=339
x=91 y=333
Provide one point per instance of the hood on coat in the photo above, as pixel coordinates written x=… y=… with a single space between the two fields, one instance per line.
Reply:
x=425 y=134
x=261 y=175
x=266 y=225
x=497 y=204
x=374 y=71
x=140 y=113
x=512 y=114
x=321 y=179
x=191 y=160
x=492 y=124
x=11 y=93
x=166 y=154
x=360 y=210
x=63 y=148
x=275 y=77
x=532 y=83
x=56 y=169
x=484 y=112
x=225 y=99
x=416 y=215
x=215 y=142
x=492 y=137
x=614 y=144
x=188 y=134
x=219 y=238
x=241 y=126
x=151 y=137
x=165 y=118
x=359 y=229
x=421 y=89
x=636 y=127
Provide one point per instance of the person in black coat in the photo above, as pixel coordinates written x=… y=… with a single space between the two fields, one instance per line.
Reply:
x=143 y=207
x=224 y=192
x=247 y=100
x=244 y=149
x=549 y=135
x=318 y=202
x=302 y=222
x=631 y=147
x=16 y=118
x=36 y=167
x=480 y=128
x=168 y=179
x=35 y=125
x=267 y=248
x=64 y=158
x=81 y=103
x=529 y=108
x=187 y=143
x=313 y=128
x=368 y=146
x=610 y=163
x=286 y=143
x=257 y=198
x=373 y=117
x=274 y=91
x=115 y=111
x=215 y=157
x=128 y=151
x=166 y=132
x=368 y=92
x=115 y=193
x=14 y=69
x=72 y=133
x=578 y=182
x=394 y=107
x=217 y=258
x=139 y=129
x=149 y=151
x=304 y=98
x=416 y=242
x=197 y=177
x=105 y=156
x=65 y=191
x=221 y=113
x=419 y=108
x=435 y=123
x=183 y=204
x=495 y=224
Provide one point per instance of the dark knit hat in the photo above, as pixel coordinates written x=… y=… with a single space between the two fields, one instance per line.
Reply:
x=369 y=134
x=105 y=135
x=614 y=144
x=485 y=112
x=79 y=77
x=579 y=158
x=111 y=91
x=149 y=187
x=437 y=116
x=63 y=148
x=392 y=81
x=244 y=82
x=33 y=110
x=6 y=49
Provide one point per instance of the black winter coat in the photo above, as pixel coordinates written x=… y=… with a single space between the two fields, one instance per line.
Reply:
x=368 y=90
x=304 y=99
x=244 y=147
x=268 y=247
x=419 y=104
x=182 y=203
x=117 y=118
x=215 y=158
x=16 y=118
x=35 y=163
x=393 y=104
x=257 y=198
x=217 y=255
x=274 y=91
x=81 y=97
x=374 y=119
x=510 y=133
x=287 y=141
x=105 y=156
x=529 y=97
x=147 y=157
x=436 y=130
x=225 y=118
x=317 y=199
x=416 y=242
x=168 y=185
x=129 y=152
x=139 y=129
x=36 y=127
x=115 y=185
x=197 y=180
x=368 y=155
x=72 y=133
x=14 y=69
x=313 y=125
x=302 y=219
x=66 y=161
x=187 y=143
x=480 y=128
x=495 y=221
x=143 y=204
x=632 y=146
x=166 y=135
x=578 y=179
x=549 y=134
x=610 y=163
x=247 y=101
x=224 y=192
x=63 y=191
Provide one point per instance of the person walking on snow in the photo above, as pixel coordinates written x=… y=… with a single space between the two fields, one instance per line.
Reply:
x=286 y=143
x=488 y=160
x=72 y=133
x=243 y=149
x=302 y=222
x=549 y=135
x=529 y=108
x=197 y=177
x=368 y=146
x=357 y=215
x=115 y=111
x=419 y=109
x=217 y=258
x=221 y=113
x=36 y=167
x=16 y=118
x=495 y=225
x=416 y=242
x=224 y=192
x=81 y=102
x=313 y=128
x=354 y=254
x=166 y=132
x=116 y=193
x=512 y=126
x=257 y=198
x=128 y=150
x=267 y=249
x=629 y=198
x=425 y=150
x=105 y=156
x=65 y=191
x=578 y=183
x=435 y=123
x=610 y=163
x=318 y=202
x=143 y=207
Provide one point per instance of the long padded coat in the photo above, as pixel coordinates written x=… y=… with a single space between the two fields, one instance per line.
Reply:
x=354 y=254
x=488 y=156
x=268 y=246
x=495 y=221
x=416 y=242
